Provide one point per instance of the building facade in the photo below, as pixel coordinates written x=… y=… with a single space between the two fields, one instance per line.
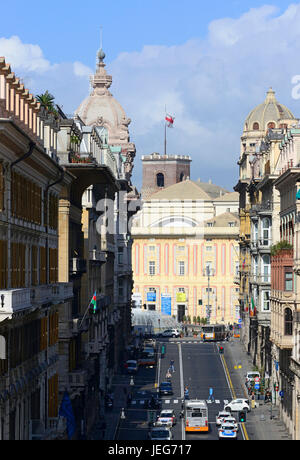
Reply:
x=185 y=253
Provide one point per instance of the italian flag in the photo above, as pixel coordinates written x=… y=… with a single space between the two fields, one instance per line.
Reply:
x=253 y=308
x=94 y=302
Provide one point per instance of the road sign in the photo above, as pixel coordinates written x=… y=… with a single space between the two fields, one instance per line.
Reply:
x=257 y=386
x=257 y=379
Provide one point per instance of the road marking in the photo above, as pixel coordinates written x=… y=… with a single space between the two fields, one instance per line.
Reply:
x=244 y=431
x=181 y=389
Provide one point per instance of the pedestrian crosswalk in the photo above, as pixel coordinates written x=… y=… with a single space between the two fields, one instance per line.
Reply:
x=137 y=402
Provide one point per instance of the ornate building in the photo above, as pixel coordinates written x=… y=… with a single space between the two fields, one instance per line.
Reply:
x=258 y=207
x=185 y=231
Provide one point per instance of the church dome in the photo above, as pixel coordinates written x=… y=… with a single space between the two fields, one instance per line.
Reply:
x=100 y=108
x=268 y=114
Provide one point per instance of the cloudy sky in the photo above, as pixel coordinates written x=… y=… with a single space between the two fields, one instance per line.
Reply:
x=210 y=63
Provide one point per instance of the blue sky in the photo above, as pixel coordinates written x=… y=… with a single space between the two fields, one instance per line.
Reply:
x=210 y=62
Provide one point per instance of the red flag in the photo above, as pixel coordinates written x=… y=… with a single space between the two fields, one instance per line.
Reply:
x=170 y=120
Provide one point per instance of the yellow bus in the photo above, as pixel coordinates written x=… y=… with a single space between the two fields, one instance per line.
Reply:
x=196 y=416
x=236 y=331
x=213 y=333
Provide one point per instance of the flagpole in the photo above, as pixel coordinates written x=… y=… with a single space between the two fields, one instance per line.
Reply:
x=165 y=131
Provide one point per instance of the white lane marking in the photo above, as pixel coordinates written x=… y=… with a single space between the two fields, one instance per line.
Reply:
x=181 y=389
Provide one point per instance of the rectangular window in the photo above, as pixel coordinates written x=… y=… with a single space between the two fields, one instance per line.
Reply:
x=120 y=255
x=181 y=268
x=121 y=288
x=152 y=268
x=208 y=248
x=266 y=301
x=288 y=280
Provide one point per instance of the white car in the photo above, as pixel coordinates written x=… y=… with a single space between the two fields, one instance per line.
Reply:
x=251 y=376
x=237 y=405
x=166 y=418
x=222 y=417
x=170 y=333
x=160 y=434
x=227 y=431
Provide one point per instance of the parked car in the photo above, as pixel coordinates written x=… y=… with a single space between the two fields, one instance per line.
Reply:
x=170 y=333
x=251 y=376
x=131 y=366
x=227 y=431
x=160 y=434
x=166 y=417
x=165 y=388
x=237 y=405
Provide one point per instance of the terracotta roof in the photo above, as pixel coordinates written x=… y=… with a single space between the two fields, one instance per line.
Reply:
x=223 y=220
x=186 y=190
x=232 y=196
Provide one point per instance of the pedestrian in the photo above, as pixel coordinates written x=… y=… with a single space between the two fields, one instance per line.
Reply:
x=211 y=395
x=172 y=368
x=186 y=393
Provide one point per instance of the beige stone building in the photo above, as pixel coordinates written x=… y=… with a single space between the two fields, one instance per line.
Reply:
x=31 y=294
x=184 y=231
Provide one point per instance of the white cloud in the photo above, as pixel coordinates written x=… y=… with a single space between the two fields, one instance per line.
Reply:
x=81 y=70
x=23 y=56
x=209 y=85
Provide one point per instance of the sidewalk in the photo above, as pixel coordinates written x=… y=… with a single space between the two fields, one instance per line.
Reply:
x=263 y=422
x=112 y=416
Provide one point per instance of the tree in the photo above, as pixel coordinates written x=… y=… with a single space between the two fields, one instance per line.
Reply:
x=47 y=101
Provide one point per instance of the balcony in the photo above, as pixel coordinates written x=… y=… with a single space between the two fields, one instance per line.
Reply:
x=94 y=348
x=97 y=256
x=77 y=266
x=55 y=293
x=261 y=208
x=80 y=325
x=13 y=301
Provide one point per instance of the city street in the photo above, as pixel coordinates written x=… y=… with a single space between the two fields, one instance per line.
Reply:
x=199 y=366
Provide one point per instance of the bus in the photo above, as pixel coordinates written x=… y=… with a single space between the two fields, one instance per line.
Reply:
x=236 y=330
x=147 y=357
x=213 y=333
x=196 y=416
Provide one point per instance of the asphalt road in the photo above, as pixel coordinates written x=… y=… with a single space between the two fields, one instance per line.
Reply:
x=197 y=365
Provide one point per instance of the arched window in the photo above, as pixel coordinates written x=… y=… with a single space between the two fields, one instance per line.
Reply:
x=271 y=125
x=288 y=322
x=160 y=180
x=255 y=126
x=181 y=177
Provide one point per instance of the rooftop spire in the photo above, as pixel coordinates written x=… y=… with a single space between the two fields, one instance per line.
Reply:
x=101 y=81
x=271 y=96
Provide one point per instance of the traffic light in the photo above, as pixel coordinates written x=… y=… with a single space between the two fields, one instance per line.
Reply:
x=242 y=416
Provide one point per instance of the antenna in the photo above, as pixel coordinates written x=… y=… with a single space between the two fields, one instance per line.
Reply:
x=101 y=37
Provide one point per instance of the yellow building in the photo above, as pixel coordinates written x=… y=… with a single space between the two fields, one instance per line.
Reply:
x=185 y=251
